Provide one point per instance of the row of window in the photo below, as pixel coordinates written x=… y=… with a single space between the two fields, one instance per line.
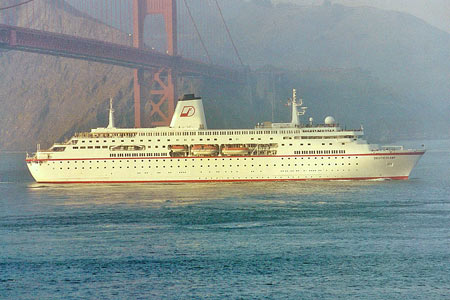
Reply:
x=193 y=159
x=319 y=137
x=105 y=135
x=215 y=139
x=190 y=133
x=137 y=154
x=304 y=152
x=320 y=152
x=89 y=147
x=222 y=166
x=319 y=130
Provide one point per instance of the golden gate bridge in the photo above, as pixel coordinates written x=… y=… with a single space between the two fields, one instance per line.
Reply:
x=174 y=45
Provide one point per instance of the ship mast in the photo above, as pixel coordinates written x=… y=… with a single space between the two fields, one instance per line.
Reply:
x=295 y=113
x=111 y=114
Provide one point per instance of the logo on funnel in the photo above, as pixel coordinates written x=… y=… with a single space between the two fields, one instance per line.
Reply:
x=187 y=111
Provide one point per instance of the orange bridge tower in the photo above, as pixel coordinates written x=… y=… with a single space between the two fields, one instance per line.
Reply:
x=162 y=87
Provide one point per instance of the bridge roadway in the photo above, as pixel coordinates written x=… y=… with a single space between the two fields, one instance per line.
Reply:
x=37 y=41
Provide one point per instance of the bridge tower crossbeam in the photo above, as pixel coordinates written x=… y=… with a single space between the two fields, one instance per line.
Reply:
x=163 y=83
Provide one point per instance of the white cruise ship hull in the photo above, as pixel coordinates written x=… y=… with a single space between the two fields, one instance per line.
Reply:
x=187 y=151
x=376 y=165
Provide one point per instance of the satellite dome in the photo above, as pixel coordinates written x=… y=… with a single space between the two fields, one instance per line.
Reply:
x=330 y=120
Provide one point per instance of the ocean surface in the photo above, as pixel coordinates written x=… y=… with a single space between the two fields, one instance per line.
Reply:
x=280 y=240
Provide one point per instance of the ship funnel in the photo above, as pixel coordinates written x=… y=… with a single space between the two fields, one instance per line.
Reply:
x=189 y=113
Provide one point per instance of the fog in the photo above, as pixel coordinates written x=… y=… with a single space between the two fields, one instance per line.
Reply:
x=435 y=12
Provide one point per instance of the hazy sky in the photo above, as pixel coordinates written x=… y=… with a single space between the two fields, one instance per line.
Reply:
x=435 y=12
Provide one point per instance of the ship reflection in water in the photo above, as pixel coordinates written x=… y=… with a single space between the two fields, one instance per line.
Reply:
x=178 y=194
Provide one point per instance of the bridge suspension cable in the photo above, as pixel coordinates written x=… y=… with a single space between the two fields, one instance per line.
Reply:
x=196 y=29
x=15 y=5
x=228 y=32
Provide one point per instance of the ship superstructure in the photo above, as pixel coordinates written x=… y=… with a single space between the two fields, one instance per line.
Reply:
x=187 y=151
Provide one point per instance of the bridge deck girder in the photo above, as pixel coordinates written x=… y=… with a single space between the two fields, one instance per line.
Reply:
x=37 y=41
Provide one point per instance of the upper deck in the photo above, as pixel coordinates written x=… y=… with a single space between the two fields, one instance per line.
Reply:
x=188 y=136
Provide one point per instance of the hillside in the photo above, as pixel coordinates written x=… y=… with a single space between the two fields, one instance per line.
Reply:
x=399 y=49
x=385 y=70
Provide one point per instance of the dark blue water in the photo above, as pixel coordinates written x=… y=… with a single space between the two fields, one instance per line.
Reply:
x=295 y=240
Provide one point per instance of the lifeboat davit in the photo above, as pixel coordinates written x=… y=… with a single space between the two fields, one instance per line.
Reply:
x=204 y=150
x=235 y=151
x=178 y=148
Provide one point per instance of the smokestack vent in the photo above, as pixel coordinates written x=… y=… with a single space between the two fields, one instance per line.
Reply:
x=189 y=97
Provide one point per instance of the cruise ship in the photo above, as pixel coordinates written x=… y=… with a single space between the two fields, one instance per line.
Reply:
x=187 y=151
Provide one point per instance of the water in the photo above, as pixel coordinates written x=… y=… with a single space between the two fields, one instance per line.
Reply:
x=294 y=240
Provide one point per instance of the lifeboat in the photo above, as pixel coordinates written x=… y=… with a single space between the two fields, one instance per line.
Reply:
x=178 y=148
x=235 y=150
x=200 y=150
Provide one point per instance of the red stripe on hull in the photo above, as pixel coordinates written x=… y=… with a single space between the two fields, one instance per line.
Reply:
x=227 y=180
